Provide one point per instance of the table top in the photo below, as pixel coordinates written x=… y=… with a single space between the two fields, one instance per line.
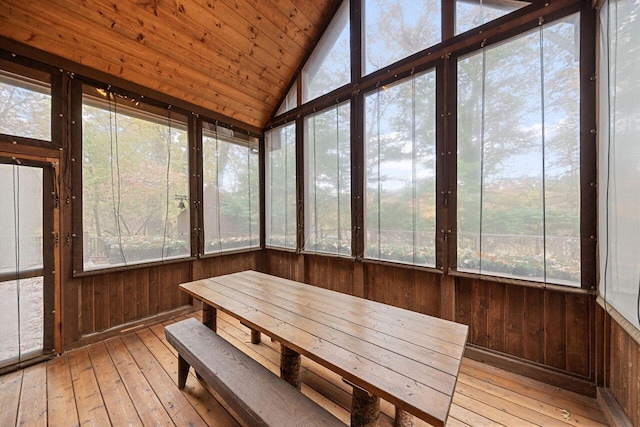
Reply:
x=409 y=359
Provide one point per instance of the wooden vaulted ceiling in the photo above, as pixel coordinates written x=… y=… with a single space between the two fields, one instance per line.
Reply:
x=232 y=57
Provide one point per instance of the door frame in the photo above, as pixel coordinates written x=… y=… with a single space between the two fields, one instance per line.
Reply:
x=52 y=342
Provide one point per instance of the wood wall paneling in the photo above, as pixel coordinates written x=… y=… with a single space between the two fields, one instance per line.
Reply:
x=284 y=264
x=555 y=330
x=548 y=327
x=111 y=299
x=226 y=264
x=336 y=274
x=515 y=314
x=624 y=380
x=403 y=287
x=533 y=309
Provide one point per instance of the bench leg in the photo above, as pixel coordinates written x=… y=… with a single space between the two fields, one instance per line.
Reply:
x=290 y=366
x=365 y=408
x=403 y=419
x=183 y=372
x=209 y=316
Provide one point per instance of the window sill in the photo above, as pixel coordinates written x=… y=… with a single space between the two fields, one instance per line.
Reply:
x=522 y=282
x=108 y=270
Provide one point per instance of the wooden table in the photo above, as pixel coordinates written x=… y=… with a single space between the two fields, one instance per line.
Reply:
x=409 y=359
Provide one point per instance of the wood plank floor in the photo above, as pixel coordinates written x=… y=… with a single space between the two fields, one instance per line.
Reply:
x=131 y=380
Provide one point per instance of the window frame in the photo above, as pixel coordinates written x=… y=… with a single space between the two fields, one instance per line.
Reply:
x=38 y=73
x=149 y=106
x=443 y=57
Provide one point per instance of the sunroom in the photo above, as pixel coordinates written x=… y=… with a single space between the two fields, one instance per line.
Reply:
x=428 y=210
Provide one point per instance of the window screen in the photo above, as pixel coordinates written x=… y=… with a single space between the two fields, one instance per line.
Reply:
x=619 y=157
x=519 y=157
x=135 y=182
x=25 y=107
x=329 y=66
x=280 y=183
x=231 y=199
x=328 y=181
x=400 y=126
x=474 y=13
x=395 y=29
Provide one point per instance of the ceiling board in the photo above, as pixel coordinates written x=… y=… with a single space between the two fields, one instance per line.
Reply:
x=233 y=57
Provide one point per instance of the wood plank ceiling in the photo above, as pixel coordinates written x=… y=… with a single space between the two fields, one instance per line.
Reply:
x=233 y=57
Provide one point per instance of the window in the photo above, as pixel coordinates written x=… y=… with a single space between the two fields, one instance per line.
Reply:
x=25 y=106
x=290 y=102
x=518 y=185
x=135 y=182
x=474 y=13
x=619 y=157
x=328 y=181
x=329 y=66
x=280 y=183
x=395 y=29
x=400 y=128
x=230 y=190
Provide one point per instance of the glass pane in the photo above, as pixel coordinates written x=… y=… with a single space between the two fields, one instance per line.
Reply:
x=21 y=250
x=231 y=200
x=280 y=180
x=329 y=66
x=620 y=156
x=290 y=102
x=395 y=29
x=328 y=181
x=518 y=157
x=135 y=185
x=25 y=107
x=474 y=13
x=400 y=171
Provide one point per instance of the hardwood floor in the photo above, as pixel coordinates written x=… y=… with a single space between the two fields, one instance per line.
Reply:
x=131 y=380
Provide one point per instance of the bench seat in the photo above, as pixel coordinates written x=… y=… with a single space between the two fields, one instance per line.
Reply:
x=255 y=394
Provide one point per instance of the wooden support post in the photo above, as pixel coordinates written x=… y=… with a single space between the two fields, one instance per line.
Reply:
x=290 y=367
x=365 y=408
x=183 y=372
x=403 y=419
x=209 y=316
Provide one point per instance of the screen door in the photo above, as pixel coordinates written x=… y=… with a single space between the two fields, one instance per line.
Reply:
x=26 y=255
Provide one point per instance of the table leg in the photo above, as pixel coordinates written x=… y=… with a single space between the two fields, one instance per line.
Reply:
x=290 y=366
x=403 y=419
x=365 y=408
x=255 y=335
x=209 y=316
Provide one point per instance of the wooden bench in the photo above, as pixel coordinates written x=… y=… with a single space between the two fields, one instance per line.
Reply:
x=255 y=394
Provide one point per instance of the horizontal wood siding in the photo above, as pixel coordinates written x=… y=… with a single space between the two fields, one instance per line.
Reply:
x=548 y=327
x=624 y=365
